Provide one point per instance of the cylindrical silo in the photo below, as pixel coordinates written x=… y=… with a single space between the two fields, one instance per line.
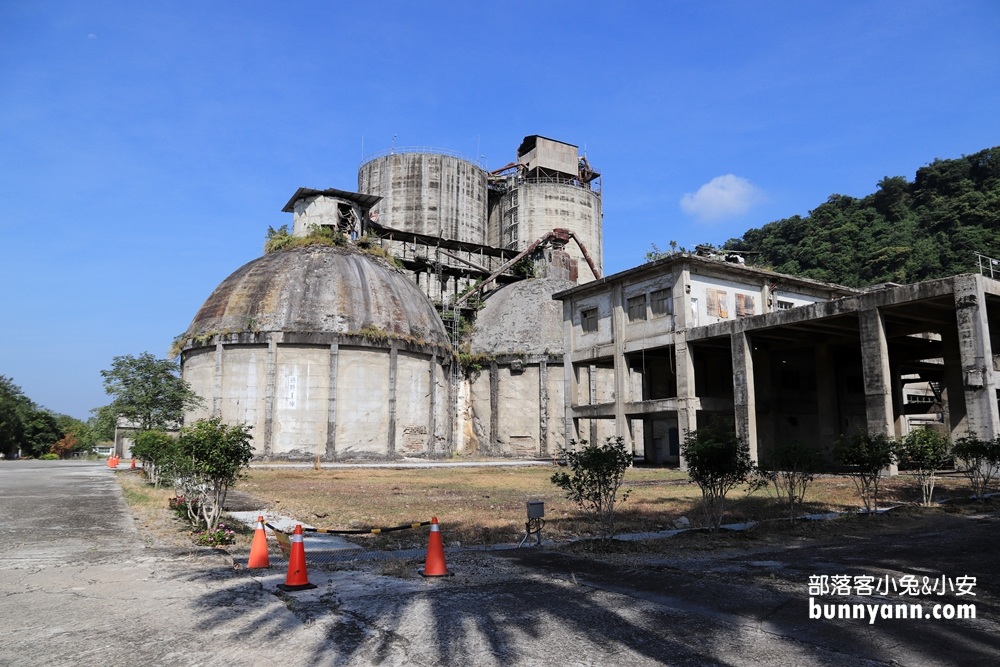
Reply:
x=536 y=206
x=427 y=193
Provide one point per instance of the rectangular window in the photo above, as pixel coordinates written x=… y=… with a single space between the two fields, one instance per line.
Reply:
x=662 y=302
x=784 y=305
x=588 y=320
x=745 y=305
x=636 y=308
x=716 y=305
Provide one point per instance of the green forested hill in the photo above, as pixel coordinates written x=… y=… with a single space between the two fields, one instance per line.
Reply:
x=904 y=232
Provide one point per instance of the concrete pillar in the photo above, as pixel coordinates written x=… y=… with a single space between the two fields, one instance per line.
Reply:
x=875 y=368
x=622 y=390
x=592 y=399
x=494 y=407
x=393 y=366
x=432 y=406
x=744 y=402
x=331 y=413
x=269 y=394
x=569 y=374
x=976 y=357
x=543 y=408
x=687 y=413
x=877 y=375
x=953 y=391
x=217 y=392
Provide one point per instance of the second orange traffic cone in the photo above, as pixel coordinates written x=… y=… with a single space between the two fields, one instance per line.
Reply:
x=296 y=579
x=258 y=548
x=435 y=565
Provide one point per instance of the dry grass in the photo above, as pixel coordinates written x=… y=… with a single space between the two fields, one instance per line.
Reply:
x=487 y=505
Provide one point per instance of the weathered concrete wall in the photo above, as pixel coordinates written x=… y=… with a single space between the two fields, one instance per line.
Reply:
x=244 y=386
x=413 y=406
x=301 y=401
x=428 y=193
x=199 y=371
x=542 y=207
x=362 y=403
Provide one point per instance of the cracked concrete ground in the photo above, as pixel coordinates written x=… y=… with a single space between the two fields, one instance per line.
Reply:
x=80 y=586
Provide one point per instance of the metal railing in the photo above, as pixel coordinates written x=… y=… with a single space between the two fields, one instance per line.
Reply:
x=989 y=266
x=424 y=149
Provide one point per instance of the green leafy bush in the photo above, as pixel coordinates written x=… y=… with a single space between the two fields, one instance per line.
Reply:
x=789 y=468
x=866 y=456
x=979 y=460
x=718 y=461
x=595 y=477
x=925 y=451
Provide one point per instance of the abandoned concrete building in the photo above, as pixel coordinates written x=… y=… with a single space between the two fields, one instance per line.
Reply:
x=333 y=352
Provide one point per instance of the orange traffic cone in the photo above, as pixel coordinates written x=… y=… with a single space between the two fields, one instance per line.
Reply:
x=296 y=579
x=258 y=548
x=435 y=565
x=133 y=463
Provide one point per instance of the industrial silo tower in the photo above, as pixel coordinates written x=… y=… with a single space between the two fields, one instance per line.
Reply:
x=550 y=186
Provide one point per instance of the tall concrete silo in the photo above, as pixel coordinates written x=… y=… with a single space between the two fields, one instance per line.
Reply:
x=424 y=192
x=550 y=186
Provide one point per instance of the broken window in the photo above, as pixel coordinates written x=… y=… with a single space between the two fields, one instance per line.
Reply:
x=716 y=303
x=745 y=305
x=661 y=302
x=636 y=308
x=588 y=320
x=784 y=305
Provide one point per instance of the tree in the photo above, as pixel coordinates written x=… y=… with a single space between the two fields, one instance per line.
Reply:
x=866 y=456
x=980 y=461
x=148 y=392
x=718 y=461
x=65 y=445
x=925 y=451
x=158 y=453
x=789 y=468
x=597 y=473
x=41 y=431
x=212 y=456
x=13 y=404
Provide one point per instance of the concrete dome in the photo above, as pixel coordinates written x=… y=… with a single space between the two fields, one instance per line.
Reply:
x=522 y=318
x=318 y=289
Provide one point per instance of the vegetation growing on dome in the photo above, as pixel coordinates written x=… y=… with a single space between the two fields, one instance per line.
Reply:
x=282 y=239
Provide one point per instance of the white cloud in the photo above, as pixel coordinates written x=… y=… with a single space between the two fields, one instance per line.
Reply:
x=722 y=197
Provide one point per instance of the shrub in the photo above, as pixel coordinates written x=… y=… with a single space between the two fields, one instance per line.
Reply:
x=925 y=451
x=213 y=456
x=866 y=455
x=596 y=475
x=789 y=468
x=158 y=453
x=217 y=537
x=979 y=460
x=49 y=457
x=718 y=461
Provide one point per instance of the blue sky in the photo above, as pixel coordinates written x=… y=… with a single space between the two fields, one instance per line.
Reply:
x=145 y=148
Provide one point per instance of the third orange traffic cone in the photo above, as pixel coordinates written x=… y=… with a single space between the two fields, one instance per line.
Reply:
x=296 y=579
x=258 y=548
x=435 y=565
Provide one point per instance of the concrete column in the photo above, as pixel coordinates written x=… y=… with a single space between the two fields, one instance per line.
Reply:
x=879 y=416
x=393 y=366
x=875 y=368
x=976 y=356
x=494 y=407
x=331 y=414
x=622 y=390
x=569 y=374
x=543 y=408
x=744 y=402
x=687 y=413
x=217 y=392
x=432 y=417
x=269 y=394
x=592 y=399
x=953 y=391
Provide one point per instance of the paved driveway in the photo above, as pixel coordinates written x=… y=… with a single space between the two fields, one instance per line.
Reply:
x=80 y=586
